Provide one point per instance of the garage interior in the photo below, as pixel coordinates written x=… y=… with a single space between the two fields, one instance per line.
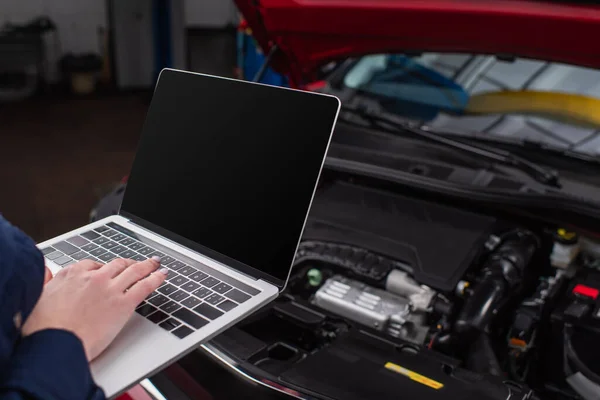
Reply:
x=57 y=133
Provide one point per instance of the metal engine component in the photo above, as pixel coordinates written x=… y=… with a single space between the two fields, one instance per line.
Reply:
x=420 y=296
x=373 y=307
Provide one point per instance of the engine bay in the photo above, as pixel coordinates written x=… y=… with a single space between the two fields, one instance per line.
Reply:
x=393 y=295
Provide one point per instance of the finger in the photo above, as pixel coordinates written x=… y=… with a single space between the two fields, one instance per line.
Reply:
x=47 y=275
x=136 y=272
x=115 y=267
x=85 y=265
x=141 y=289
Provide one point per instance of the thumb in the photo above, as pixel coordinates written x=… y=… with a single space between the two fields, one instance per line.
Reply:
x=47 y=275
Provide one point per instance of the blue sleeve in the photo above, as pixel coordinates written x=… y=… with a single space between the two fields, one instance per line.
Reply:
x=50 y=364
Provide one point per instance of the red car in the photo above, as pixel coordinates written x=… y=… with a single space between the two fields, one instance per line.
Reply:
x=453 y=247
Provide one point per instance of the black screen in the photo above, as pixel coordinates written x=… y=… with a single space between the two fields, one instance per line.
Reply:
x=230 y=166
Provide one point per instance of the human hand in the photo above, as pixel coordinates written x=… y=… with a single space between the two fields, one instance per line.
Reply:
x=94 y=301
x=47 y=275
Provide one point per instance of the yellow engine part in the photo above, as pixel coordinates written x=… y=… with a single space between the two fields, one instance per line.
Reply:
x=568 y=108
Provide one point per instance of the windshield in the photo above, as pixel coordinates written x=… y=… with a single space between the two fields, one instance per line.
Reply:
x=552 y=103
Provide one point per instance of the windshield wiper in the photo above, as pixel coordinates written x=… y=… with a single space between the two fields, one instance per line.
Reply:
x=541 y=174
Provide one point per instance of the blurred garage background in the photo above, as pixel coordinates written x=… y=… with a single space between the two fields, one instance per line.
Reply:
x=75 y=81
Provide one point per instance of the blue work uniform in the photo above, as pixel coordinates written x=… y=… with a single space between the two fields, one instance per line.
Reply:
x=49 y=364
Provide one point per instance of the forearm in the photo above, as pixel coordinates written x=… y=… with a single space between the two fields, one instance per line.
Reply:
x=49 y=365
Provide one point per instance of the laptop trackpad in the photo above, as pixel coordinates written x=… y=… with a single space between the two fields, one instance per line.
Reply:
x=115 y=370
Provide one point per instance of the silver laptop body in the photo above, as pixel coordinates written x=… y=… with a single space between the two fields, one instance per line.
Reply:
x=212 y=283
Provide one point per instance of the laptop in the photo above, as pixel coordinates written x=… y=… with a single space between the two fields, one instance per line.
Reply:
x=220 y=189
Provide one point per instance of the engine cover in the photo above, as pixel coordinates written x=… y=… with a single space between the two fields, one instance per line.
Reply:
x=438 y=242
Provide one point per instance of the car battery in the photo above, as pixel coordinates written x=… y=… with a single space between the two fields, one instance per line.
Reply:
x=574 y=333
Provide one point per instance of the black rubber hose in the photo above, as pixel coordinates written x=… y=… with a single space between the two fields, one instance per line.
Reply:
x=574 y=359
x=478 y=310
x=501 y=276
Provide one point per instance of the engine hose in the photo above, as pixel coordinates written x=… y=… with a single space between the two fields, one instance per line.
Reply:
x=573 y=358
x=500 y=277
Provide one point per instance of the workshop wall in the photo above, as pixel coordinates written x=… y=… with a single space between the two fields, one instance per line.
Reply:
x=81 y=22
x=210 y=13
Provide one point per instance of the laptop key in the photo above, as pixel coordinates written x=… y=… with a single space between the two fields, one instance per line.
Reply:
x=227 y=305
x=97 y=252
x=177 y=265
x=210 y=282
x=178 y=295
x=202 y=292
x=145 y=309
x=145 y=250
x=190 y=302
x=182 y=332
x=90 y=235
x=157 y=317
x=187 y=270
x=158 y=300
x=190 y=318
x=109 y=233
x=48 y=250
x=136 y=246
x=214 y=299
x=102 y=228
x=170 y=324
x=78 y=241
x=54 y=255
x=118 y=237
x=139 y=258
x=91 y=258
x=221 y=288
x=65 y=247
x=167 y=289
x=156 y=253
x=208 y=311
x=170 y=307
x=172 y=275
x=126 y=242
x=80 y=255
x=197 y=276
x=166 y=260
x=106 y=257
x=62 y=260
x=190 y=286
x=237 y=296
x=127 y=254
x=109 y=245
x=101 y=240
x=89 y=247
x=119 y=249
x=180 y=280
x=69 y=263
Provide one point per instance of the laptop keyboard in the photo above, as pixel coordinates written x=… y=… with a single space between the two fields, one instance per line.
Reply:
x=192 y=295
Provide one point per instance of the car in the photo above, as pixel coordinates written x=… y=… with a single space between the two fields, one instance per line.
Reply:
x=453 y=246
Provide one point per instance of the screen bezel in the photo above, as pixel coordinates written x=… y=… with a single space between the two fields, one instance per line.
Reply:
x=215 y=255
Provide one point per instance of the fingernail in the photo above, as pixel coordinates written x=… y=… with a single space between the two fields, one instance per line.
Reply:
x=164 y=271
x=156 y=258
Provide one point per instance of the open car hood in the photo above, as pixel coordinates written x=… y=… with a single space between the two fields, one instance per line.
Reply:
x=309 y=33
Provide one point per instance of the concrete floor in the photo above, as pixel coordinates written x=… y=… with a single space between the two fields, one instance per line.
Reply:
x=60 y=154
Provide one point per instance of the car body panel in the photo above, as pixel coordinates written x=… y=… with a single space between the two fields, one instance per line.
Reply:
x=309 y=33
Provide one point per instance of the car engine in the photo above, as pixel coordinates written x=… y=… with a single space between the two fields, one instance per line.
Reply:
x=465 y=292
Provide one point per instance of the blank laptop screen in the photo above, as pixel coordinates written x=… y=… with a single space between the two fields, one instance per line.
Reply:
x=230 y=166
